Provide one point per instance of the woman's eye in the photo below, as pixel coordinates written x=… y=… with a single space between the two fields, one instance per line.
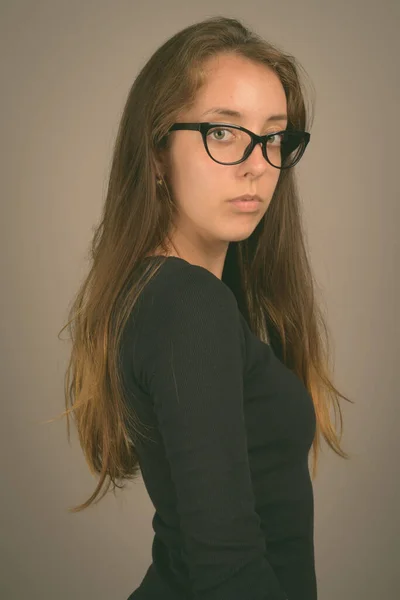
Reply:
x=225 y=133
x=275 y=138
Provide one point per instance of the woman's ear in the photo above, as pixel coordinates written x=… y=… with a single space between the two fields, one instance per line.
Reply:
x=161 y=165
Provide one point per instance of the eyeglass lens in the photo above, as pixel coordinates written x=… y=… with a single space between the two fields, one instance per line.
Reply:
x=228 y=145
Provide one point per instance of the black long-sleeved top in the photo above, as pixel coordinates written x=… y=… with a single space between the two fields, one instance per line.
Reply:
x=231 y=428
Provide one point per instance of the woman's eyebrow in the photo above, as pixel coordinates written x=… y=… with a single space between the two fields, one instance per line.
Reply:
x=227 y=112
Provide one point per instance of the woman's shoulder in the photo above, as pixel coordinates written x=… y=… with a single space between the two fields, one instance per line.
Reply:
x=176 y=279
x=181 y=305
x=181 y=293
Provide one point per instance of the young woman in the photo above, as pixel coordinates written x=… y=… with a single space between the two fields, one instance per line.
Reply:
x=198 y=353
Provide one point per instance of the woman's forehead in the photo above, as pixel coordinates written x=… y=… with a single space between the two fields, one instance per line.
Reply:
x=240 y=92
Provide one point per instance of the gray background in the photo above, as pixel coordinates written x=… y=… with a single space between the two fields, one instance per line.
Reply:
x=66 y=68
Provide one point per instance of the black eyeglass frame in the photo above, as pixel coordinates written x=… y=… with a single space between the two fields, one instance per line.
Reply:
x=204 y=127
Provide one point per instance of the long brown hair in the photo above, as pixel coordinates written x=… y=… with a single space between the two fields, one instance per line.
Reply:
x=269 y=272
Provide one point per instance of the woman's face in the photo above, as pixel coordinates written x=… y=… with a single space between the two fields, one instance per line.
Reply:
x=201 y=187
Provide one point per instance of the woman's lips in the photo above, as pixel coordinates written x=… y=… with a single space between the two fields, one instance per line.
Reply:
x=247 y=203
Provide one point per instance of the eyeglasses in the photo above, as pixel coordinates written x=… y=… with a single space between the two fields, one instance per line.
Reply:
x=232 y=144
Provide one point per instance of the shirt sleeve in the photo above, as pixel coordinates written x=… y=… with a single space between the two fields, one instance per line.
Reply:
x=196 y=384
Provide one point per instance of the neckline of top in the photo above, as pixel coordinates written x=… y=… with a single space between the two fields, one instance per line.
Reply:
x=175 y=257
